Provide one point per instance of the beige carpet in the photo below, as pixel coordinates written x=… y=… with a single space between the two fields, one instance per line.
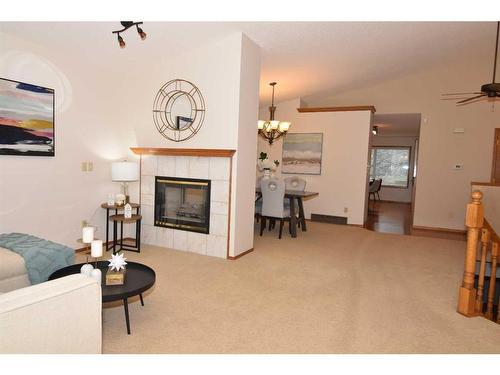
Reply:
x=334 y=289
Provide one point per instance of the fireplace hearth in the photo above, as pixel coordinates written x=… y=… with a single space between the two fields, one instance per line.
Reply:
x=182 y=203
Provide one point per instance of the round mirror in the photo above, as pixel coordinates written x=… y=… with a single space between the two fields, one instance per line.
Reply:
x=181 y=111
x=178 y=110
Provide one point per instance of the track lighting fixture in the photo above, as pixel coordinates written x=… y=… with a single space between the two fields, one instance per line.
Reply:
x=121 y=42
x=141 y=33
x=127 y=25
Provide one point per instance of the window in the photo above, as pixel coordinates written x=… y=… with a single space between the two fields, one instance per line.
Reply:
x=392 y=165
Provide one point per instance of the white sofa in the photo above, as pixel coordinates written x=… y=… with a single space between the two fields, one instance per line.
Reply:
x=57 y=316
x=13 y=274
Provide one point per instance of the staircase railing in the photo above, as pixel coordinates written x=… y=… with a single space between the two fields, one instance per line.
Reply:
x=478 y=294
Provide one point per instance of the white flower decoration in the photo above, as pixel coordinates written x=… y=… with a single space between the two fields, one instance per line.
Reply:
x=117 y=262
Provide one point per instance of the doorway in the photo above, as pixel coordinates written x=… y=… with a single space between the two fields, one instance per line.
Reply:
x=393 y=160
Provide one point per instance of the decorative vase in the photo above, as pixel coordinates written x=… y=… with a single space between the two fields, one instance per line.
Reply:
x=96 y=274
x=127 y=211
x=86 y=269
x=267 y=173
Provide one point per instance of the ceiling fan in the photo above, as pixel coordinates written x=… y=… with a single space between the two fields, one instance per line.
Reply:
x=491 y=90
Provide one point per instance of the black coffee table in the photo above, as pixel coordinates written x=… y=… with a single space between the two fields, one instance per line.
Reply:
x=138 y=279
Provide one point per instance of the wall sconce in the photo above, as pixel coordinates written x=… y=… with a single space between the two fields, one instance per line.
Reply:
x=127 y=25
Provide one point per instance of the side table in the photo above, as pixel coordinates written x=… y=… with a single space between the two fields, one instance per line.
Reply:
x=137 y=240
x=116 y=208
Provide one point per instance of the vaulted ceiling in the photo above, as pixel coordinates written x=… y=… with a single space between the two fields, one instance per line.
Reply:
x=305 y=58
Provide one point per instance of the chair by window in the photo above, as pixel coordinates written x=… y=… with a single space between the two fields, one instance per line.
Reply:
x=273 y=207
x=375 y=188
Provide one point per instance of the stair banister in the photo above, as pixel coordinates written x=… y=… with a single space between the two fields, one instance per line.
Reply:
x=474 y=220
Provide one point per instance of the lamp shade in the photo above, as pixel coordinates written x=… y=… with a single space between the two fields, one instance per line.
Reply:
x=274 y=124
x=124 y=171
x=284 y=126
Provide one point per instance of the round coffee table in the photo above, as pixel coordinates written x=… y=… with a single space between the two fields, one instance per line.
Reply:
x=138 y=279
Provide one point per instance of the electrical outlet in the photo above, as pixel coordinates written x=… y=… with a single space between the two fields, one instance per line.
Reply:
x=346 y=209
x=458 y=166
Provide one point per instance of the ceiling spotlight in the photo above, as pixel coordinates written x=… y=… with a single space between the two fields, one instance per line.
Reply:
x=141 y=33
x=127 y=25
x=121 y=42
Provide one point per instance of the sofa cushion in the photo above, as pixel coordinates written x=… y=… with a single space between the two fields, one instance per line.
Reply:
x=11 y=264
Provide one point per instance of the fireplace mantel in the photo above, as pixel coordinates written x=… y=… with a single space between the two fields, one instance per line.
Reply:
x=207 y=152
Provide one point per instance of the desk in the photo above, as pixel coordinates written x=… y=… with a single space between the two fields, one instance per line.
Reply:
x=292 y=195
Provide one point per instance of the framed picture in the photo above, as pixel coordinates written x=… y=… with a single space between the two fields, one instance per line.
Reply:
x=302 y=153
x=26 y=119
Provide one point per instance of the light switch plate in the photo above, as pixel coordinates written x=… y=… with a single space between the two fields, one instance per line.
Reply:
x=458 y=130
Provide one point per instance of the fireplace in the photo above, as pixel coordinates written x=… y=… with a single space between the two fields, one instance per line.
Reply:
x=182 y=203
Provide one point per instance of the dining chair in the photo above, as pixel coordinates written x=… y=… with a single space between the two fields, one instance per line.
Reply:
x=298 y=184
x=258 y=200
x=273 y=207
x=374 y=188
x=295 y=183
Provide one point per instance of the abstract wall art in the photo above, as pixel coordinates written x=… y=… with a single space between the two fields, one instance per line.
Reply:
x=302 y=153
x=26 y=119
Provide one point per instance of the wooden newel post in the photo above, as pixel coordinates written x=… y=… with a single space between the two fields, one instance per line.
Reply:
x=474 y=219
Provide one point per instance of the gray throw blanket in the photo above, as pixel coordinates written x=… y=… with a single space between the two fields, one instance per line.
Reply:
x=42 y=257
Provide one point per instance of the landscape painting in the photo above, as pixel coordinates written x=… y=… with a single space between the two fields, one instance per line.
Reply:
x=302 y=153
x=26 y=119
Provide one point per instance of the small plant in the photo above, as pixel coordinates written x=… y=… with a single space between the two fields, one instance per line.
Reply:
x=277 y=163
x=263 y=156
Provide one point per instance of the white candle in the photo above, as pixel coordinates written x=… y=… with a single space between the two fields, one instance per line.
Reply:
x=87 y=234
x=96 y=249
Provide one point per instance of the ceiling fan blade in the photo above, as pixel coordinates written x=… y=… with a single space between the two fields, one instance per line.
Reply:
x=468 y=100
x=463 y=93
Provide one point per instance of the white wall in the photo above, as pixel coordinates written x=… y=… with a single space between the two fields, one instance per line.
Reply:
x=343 y=178
x=244 y=166
x=397 y=194
x=226 y=72
x=49 y=196
x=102 y=113
x=442 y=192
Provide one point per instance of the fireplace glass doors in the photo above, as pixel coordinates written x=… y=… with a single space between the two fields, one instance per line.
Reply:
x=182 y=203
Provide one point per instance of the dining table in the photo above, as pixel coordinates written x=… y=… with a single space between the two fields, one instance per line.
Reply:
x=299 y=196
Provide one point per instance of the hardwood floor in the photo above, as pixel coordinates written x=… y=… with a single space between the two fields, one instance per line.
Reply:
x=393 y=217
x=389 y=217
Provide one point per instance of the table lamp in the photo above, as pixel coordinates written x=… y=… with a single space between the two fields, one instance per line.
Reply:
x=125 y=172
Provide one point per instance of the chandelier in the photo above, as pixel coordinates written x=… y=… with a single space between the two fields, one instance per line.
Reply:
x=272 y=129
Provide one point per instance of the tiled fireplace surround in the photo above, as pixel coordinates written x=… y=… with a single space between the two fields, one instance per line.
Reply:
x=216 y=169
